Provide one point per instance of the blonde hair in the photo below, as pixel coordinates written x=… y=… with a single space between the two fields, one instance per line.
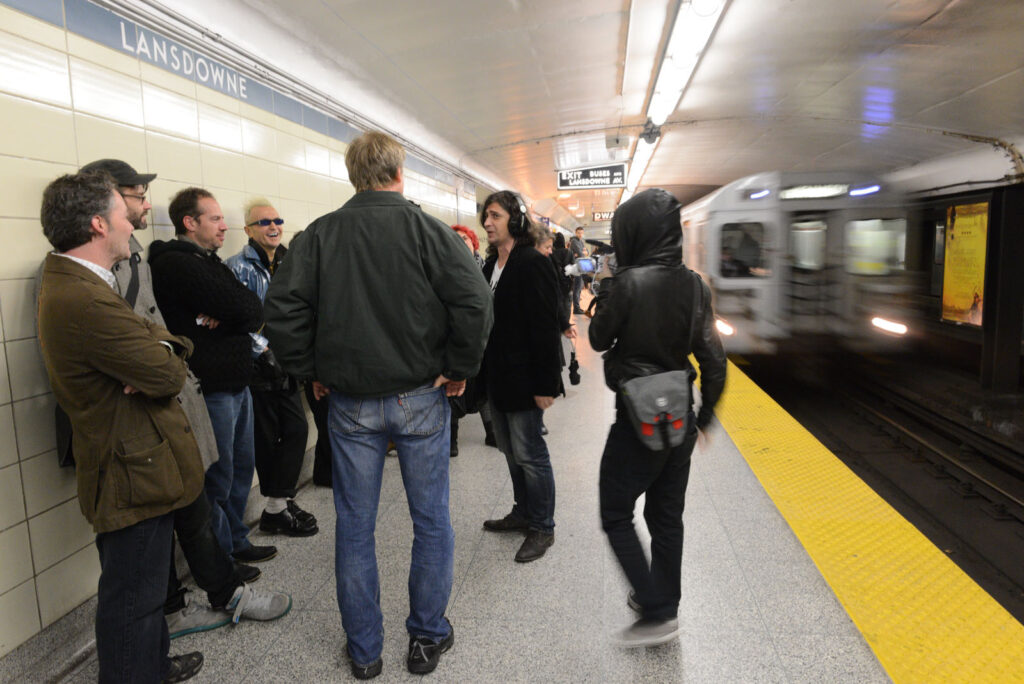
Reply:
x=251 y=204
x=373 y=161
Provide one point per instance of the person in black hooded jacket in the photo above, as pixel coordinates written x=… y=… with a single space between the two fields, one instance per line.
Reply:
x=644 y=318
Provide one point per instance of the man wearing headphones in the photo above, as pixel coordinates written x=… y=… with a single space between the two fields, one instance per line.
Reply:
x=521 y=368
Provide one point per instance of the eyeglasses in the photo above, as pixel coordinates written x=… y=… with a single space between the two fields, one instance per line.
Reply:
x=138 y=197
x=267 y=222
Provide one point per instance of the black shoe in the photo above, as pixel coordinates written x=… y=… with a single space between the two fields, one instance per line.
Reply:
x=304 y=517
x=184 y=667
x=286 y=523
x=453 y=451
x=424 y=653
x=489 y=439
x=255 y=554
x=364 y=671
x=543 y=429
x=633 y=604
x=510 y=523
x=247 y=573
x=534 y=546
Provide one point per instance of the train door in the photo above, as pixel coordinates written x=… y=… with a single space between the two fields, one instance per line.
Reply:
x=813 y=284
x=744 y=282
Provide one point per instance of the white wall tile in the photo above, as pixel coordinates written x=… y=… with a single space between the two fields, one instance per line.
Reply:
x=338 y=169
x=291 y=150
x=222 y=169
x=219 y=100
x=341 y=193
x=173 y=158
x=58 y=533
x=23 y=181
x=220 y=128
x=15 y=557
x=258 y=115
x=21 y=617
x=167 y=80
x=318 y=159
x=17 y=302
x=258 y=139
x=12 y=505
x=33 y=29
x=36 y=130
x=100 y=139
x=260 y=177
x=234 y=241
x=26 y=369
x=161 y=191
x=33 y=71
x=5 y=378
x=100 y=54
x=291 y=128
x=170 y=112
x=33 y=421
x=68 y=584
x=295 y=183
x=103 y=92
x=46 y=484
x=8 y=444
x=295 y=212
x=25 y=246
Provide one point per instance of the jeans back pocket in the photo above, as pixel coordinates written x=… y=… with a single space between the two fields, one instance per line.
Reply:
x=424 y=410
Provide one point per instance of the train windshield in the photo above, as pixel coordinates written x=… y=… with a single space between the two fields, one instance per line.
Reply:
x=875 y=246
x=743 y=252
x=809 y=244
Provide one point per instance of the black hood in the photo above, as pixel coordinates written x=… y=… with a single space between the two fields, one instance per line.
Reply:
x=646 y=230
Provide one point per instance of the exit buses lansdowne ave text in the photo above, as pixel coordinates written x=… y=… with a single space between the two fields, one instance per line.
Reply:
x=610 y=176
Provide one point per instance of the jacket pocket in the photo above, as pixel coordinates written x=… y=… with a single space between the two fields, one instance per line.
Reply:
x=149 y=477
x=424 y=410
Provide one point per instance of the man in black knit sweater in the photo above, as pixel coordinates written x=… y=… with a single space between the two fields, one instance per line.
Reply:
x=202 y=300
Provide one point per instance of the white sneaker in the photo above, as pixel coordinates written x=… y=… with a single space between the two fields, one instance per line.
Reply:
x=257 y=604
x=646 y=632
x=194 y=617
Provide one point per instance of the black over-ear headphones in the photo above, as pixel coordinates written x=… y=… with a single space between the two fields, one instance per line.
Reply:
x=517 y=220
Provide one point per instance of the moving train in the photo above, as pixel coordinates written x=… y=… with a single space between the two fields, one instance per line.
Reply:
x=804 y=261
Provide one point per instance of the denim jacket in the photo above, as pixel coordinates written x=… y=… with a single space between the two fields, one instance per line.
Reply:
x=250 y=270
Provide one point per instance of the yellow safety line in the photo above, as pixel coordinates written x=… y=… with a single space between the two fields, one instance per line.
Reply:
x=924 y=618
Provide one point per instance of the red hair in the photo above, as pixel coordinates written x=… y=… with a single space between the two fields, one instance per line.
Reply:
x=466 y=231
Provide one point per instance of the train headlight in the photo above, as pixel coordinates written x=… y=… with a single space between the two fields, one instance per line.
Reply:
x=889 y=326
x=724 y=327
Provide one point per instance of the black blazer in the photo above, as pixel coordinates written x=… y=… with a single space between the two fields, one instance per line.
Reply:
x=521 y=360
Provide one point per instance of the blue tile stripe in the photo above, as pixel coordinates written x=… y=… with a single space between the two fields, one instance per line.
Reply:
x=107 y=28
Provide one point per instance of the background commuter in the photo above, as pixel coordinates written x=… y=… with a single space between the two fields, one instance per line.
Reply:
x=645 y=317
x=562 y=257
x=578 y=247
x=201 y=299
x=388 y=362
x=521 y=368
x=316 y=397
x=280 y=427
x=116 y=376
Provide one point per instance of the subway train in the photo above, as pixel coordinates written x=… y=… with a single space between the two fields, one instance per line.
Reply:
x=802 y=261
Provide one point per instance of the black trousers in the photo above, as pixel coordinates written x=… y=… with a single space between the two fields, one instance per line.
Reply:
x=279 y=435
x=131 y=633
x=628 y=469
x=322 y=462
x=212 y=568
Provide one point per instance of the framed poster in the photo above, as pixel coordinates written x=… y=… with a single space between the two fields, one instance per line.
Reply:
x=963 y=281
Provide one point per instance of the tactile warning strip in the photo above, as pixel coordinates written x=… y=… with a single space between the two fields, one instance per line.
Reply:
x=924 y=618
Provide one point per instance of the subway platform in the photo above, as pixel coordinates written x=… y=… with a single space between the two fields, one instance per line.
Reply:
x=793 y=571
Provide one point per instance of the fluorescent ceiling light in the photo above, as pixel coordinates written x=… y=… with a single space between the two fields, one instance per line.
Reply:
x=760 y=194
x=564 y=195
x=869 y=190
x=641 y=158
x=813 y=191
x=694 y=24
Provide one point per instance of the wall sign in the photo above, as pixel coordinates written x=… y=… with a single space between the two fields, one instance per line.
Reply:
x=608 y=176
x=600 y=216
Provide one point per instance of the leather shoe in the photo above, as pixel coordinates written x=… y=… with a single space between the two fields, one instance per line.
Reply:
x=286 y=523
x=183 y=667
x=510 y=523
x=304 y=517
x=534 y=546
x=247 y=573
x=255 y=554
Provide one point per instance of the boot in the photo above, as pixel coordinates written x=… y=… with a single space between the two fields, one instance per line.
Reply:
x=489 y=439
x=454 y=448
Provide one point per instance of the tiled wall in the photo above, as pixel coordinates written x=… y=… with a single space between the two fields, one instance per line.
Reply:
x=66 y=101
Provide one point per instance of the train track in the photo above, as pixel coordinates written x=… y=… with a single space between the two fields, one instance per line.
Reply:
x=965 y=492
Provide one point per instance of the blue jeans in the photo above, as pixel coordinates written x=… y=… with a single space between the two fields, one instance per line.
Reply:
x=577 y=287
x=533 y=482
x=418 y=422
x=229 y=480
x=131 y=633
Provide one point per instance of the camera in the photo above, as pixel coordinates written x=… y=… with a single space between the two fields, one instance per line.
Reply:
x=581 y=267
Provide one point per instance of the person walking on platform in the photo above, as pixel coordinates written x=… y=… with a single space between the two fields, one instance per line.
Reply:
x=645 y=317
x=280 y=427
x=578 y=248
x=116 y=375
x=521 y=368
x=388 y=360
x=201 y=299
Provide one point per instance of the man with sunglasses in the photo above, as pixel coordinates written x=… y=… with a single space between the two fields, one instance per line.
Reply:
x=280 y=427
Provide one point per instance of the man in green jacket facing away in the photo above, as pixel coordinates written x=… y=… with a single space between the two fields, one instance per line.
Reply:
x=384 y=306
x=116 y=375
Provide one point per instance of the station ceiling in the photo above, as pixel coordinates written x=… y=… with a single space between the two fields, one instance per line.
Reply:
x=524 y=88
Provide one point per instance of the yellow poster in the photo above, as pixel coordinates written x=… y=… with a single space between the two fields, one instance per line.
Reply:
x=963 y=281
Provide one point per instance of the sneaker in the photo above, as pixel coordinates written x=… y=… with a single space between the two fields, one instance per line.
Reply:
x=247 y=573
x=510 y=523
x=424 y=652
x=364 y=671
x=534 y=546
x=257 y=604
x=194 y=617
x=634 y=604
x=255 y=554
x=286 y=523
x=183 y=667
x=304 y=517
x=645 y=632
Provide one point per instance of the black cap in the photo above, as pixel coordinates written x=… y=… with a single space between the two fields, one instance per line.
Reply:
x=122 y=172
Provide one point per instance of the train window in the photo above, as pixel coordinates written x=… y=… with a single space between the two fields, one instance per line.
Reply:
x=742 y=250
x=876 y=246
x=808 y=244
